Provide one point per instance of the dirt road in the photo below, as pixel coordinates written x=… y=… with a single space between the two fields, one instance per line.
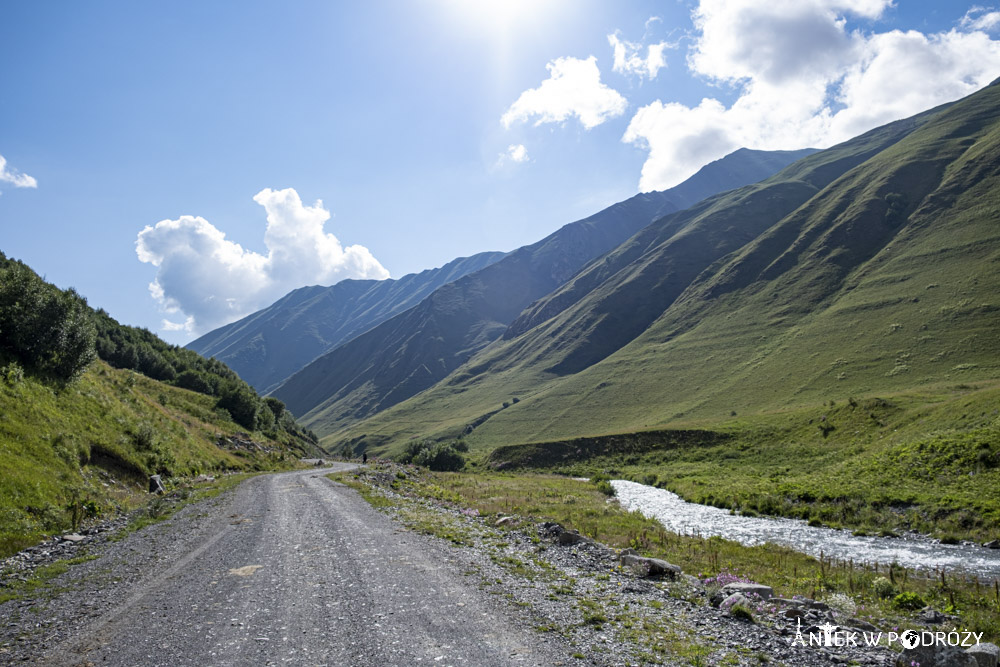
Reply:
x=295 y=569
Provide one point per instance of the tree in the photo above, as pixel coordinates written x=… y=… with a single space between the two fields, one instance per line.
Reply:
x=49 y=330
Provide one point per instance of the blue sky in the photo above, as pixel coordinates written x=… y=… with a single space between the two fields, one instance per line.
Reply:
x=430 y=129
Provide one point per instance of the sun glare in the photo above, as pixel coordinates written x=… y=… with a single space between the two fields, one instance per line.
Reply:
x=500 y=17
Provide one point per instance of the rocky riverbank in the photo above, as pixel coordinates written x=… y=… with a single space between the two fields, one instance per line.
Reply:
x=619 y=608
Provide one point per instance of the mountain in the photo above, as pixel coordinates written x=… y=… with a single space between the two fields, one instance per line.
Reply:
x=272 y=344
x=415 y=349
x=869 y=267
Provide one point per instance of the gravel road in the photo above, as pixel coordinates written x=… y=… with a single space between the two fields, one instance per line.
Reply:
x=289 y=568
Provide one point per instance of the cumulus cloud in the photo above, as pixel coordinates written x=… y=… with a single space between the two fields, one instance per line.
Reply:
x=573 y=88
x=515 y=153
x=628 y=57
x=803 y=80
x=213 y=281
x=14 y=177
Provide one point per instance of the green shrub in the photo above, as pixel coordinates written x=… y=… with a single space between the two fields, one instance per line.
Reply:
x=908 y=602
x=741 y=613
x=440 y=457
x=883 y=588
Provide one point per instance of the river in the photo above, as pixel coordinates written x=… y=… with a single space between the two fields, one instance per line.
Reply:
x=685 y=518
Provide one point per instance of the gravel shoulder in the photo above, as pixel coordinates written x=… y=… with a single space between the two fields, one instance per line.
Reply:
x=290 y=568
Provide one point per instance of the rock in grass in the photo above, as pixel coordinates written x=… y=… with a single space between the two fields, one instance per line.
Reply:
x=760 y=590
x=651 y=567
x=155 y=485
x=936 y=655
x=568 y=537
x=986 y=654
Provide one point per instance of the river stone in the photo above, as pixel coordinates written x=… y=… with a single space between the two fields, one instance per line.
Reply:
x=994 y=544
x=760 y=590
x=986 y=654
x=73 y=537
x=935 y=655
x=651 y=567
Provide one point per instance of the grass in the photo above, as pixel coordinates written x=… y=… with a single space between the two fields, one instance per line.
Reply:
x=926 y=461
x=73 y=454
x=582 y=506
x=39 y=583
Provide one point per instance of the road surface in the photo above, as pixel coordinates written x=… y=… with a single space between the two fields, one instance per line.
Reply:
x=295 y=569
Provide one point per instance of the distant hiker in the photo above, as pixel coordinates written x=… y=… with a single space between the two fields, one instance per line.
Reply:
x=364 y=457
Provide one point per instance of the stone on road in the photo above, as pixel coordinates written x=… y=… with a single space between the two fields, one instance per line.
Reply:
x=297 y=569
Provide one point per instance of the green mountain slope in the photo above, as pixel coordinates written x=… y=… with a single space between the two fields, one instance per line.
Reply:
x=275 y=342
x=412 y=351
x=869 y=267
x=79 y=438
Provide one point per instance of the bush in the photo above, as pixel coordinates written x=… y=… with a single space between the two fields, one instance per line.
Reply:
x=908 y=602
x=883 y=588
x=242 y=403
x=741 y=613
x=49 y=330
x=12 y=373
x=440 y=457
x=194 y=381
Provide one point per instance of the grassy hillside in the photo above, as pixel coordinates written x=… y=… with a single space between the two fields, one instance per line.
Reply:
x=79 y=438
x=880 y=275
x=85 y=450
x=416 y=349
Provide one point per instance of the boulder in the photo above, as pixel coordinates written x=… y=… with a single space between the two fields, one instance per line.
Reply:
x=986 y=654
x=651 y=567
x=993 y=544
x=550 y=530
x=569 y=537
x=932 y=616
x=935 y=656
x=156 y=485
x=864 y=626
x=760 y=590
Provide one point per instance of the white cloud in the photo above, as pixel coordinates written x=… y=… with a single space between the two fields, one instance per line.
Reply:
x=981 y=18
x=515 y=153
x=573 y=88
x=803 y=80
x=628 y=58
x=214 y=281
x=14 y=177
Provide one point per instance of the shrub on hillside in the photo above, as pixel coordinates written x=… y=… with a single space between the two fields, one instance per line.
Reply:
x=47 y=329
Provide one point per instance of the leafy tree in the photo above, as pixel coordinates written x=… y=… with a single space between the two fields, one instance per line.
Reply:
x=242 y=403
x=47 y=329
